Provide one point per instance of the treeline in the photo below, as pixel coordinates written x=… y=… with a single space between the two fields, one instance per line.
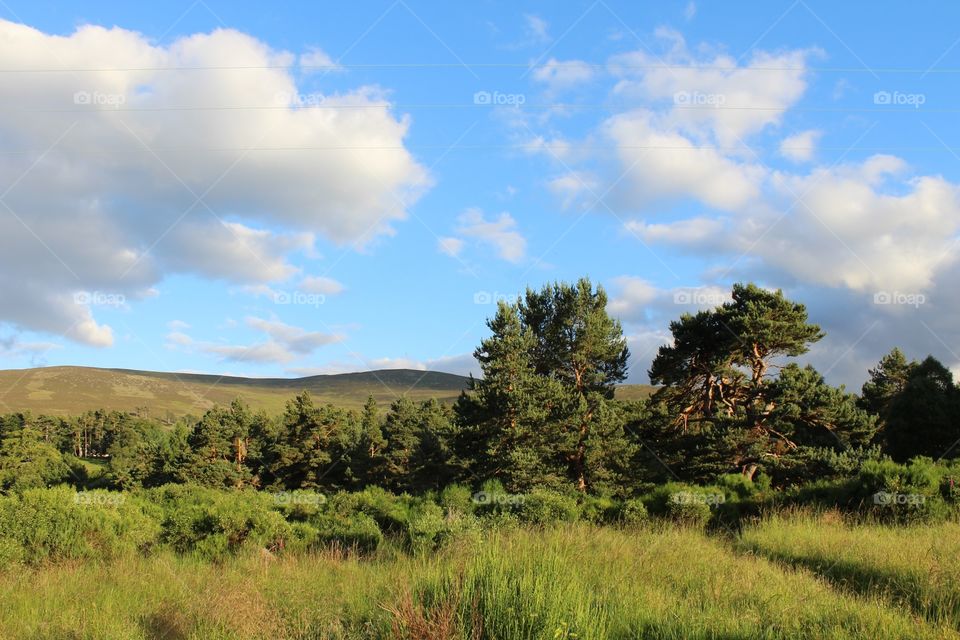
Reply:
x=542 y=416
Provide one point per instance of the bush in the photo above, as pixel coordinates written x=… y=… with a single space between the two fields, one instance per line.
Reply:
x=60 y=524
x=390 y=512
x=633 y=512
x=457 y=497
x=215 y=523
x=543 y=507
x=599 y=509
x=358 y=532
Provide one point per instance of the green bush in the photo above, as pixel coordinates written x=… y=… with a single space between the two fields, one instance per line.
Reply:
x=599 y=509
x=457 y=497
x=543 y=507
x=633 y=512
x=214 y=523
x=61 y=524
x=390 y=512
x=358 y=532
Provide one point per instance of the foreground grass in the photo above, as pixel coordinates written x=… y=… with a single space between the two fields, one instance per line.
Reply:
x=577 y=582
x=915 y=566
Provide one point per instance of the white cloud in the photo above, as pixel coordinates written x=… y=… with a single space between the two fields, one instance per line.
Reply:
x=690 y=10
x=295 y=339
x=800 y=147
x=690 y=232
x=177 y=325
x=316 y=60
x=537 y=28
x=500 y=233
x=134 y=178
x=322 y=285
x=559 y=76
x=450 y=246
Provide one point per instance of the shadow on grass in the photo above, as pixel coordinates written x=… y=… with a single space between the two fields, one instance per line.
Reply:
x=901 y=589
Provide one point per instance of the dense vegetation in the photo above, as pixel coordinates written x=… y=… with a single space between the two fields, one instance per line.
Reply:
x=736 y=434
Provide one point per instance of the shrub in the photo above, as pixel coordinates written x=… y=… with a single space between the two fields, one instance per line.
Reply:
x=543 y=507
x=358 y=532
x=60 y=524
x=390 y=512
x=633 y=512
x=599 y=509
x=457 y=497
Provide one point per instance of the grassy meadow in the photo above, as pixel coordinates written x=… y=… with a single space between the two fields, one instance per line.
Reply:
x=569 y=581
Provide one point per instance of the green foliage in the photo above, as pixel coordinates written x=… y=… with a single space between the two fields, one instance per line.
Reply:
x=633 y=512
x=543 y=507
x=50 y=525
x=28 y=461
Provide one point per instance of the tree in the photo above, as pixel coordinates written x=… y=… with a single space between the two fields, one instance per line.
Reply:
x=220 y=444
x=28 y=461
x=887 y=380
x=540 y=412
x=923 y=418
x=311 y=448
x=717 y=379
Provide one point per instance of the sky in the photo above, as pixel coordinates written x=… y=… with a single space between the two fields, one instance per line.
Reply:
x=304 y=188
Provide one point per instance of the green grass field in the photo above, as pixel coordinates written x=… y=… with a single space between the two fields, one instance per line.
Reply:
x=73 y=390
x=576 y=581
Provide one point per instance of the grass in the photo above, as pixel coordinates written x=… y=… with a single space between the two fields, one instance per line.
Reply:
x=915 y=566
x=572 y=582
x=72 y=390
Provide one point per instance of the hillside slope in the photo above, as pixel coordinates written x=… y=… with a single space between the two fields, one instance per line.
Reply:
x=72 y=390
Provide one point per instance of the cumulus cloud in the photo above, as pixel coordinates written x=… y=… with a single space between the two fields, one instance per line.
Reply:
x=322 y=285
x=283 y=343
x=499 y=233
x=559 y=76
x=800 y=147
x=116 y=179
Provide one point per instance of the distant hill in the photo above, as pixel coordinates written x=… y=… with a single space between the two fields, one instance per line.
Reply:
x=72 y=390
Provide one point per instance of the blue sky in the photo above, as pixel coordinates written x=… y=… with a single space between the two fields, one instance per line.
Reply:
x=231 y=188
